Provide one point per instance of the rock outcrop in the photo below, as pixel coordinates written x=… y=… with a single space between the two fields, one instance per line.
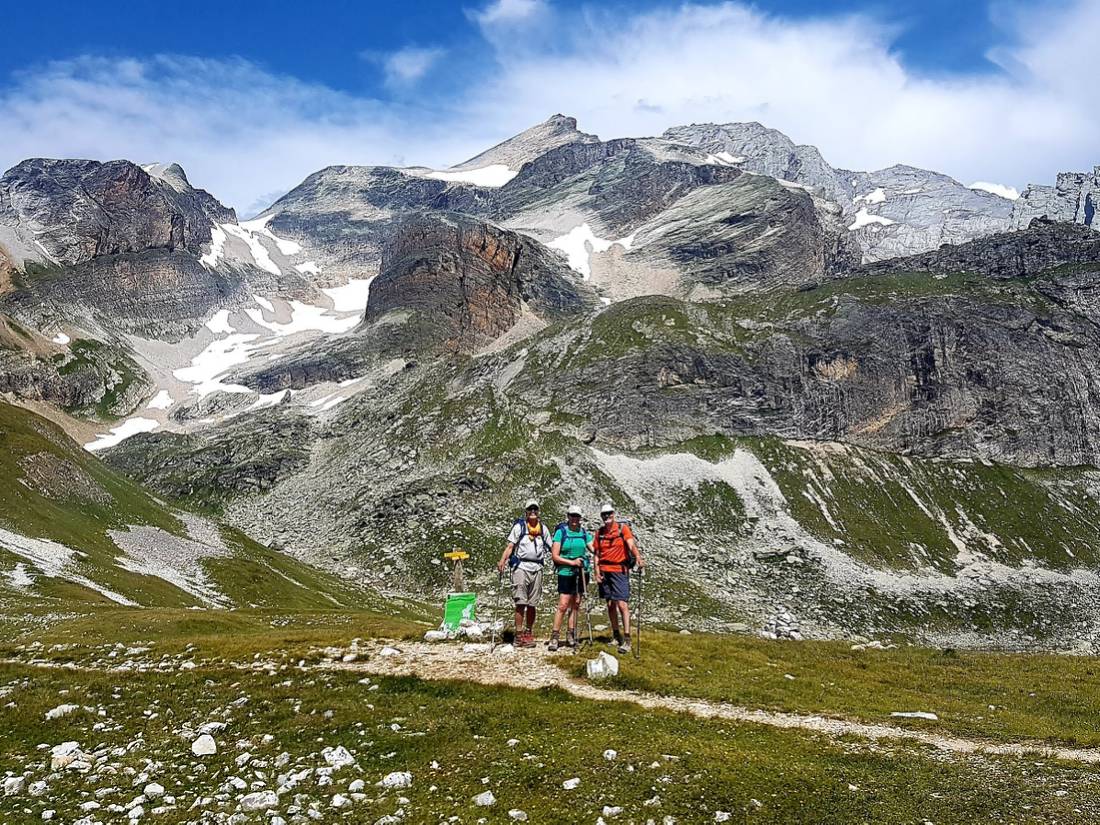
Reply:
x=465 y=282
x=1075 y=198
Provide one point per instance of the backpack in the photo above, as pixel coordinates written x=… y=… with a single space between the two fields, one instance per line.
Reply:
x=563 y=528
x=629 y=562
x=540 y=543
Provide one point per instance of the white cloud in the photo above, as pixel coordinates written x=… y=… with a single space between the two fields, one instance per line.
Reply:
x=241 y=131
x=509 y=11
x=238 y=130
x=1009 y=192
x=408 y=65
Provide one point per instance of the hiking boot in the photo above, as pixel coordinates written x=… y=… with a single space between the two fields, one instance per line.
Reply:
x=624 y=647
x=553 y=643
x=525 y=639
x=571 y=640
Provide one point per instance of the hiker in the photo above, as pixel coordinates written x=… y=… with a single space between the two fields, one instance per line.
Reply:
x=528 y=543
x=616 y=553
x=572 y=543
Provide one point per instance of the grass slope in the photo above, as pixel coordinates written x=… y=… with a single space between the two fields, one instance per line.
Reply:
x=52 y=489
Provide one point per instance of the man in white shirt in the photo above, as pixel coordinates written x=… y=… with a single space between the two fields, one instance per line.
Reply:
x=526 y=551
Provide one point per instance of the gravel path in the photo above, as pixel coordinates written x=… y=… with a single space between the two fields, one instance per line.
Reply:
x=534 y=668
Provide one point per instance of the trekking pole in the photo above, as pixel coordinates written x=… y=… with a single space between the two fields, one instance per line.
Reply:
x=496 y=614
x=638 y=615
x=588 y=611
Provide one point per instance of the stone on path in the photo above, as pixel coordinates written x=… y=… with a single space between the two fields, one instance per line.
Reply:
x=603 y=666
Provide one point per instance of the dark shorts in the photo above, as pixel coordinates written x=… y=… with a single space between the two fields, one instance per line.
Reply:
x=567 y=585
x=615 y=587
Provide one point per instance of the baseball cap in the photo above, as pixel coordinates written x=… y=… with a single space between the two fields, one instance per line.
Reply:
x=531 y=504
x=607 y=508
x=573 y=510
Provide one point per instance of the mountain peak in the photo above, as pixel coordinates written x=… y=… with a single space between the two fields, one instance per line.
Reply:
x=557 y=130
x=170 y=173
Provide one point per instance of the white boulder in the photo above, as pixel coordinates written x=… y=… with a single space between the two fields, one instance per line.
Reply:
x=603 y=666
x=338 y=757
x=485 y=799
x=204 y=745
x=259 y=801
x=397 y=779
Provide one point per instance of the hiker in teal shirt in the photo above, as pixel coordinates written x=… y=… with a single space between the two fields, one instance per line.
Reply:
x=572 y=544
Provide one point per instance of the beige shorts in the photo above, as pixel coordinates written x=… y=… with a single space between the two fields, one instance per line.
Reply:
x=526 y=587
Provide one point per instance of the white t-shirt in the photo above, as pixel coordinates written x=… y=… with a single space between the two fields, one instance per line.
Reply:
x=531 y=553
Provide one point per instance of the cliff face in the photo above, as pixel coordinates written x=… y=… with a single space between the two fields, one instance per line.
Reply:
x=67 y=212
x=466 y=282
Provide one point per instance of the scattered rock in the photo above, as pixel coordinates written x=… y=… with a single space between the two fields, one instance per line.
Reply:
x=61 y=710
x=485 y=799
x=610 y=755
x=337 y=757
x=397 y=779
x=517 y=815
x=571 y=784
x=259 y=801
x=204 y=745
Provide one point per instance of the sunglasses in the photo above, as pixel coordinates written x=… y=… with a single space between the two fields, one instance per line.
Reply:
x=606 y=516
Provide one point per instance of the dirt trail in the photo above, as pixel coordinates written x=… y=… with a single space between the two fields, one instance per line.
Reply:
x=534 y=668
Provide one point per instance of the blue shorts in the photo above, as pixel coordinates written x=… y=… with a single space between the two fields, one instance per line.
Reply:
x=615 y=587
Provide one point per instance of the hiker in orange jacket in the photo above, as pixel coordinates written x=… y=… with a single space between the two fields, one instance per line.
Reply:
x=616 y=552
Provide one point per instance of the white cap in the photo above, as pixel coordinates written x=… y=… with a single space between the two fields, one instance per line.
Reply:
x=573 y=510
x=531 y=503
x=607 y=508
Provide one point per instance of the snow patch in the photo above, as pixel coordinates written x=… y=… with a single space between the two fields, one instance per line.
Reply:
x=260 y=255
x=724 y=159
x=308 y=268
x=162 y=401
x=259 y=227
x=218 y=358
x=264 y=303
x=875 y=196
x=864 y=218
x=1007 y=192
x=61 y=338
x=219 y=323
x=129 y=427
x=575 y=244
x=217 y=247
x=494 y=175
x=306 y=318
x=352 y=296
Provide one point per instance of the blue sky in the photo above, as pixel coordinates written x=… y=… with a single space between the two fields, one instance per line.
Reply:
x=328 y=42
x=252 y=97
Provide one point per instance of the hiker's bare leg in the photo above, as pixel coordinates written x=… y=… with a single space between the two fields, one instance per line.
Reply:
x=613 y=617
x=574 y=611
x=624 y=608
x=530 y=618
x=520 y=609
x=563 y=605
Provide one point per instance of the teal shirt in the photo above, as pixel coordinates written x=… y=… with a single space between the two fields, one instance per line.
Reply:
x=574 y=545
